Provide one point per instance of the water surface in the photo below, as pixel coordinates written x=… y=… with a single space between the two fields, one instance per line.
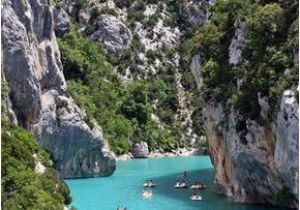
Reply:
x=124 y=188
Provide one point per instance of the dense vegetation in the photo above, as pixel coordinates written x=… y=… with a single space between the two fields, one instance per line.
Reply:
x=123 y=111
x=267 y=65
x=21 y=186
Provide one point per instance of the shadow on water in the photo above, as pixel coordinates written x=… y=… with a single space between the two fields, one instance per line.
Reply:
x=212 y=198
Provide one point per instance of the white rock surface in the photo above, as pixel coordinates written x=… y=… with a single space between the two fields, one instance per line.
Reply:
x=287 y=143
x=33 y=71
x=112 y=33
x=237 y=43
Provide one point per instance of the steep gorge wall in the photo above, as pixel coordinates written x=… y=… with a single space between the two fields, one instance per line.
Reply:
x=256 y=160
x=258 y=163
x=38 y=95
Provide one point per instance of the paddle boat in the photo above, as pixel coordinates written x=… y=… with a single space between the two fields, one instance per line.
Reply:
x=196 y=197
x=149 y=183
x=181 y=185
x=198 y=186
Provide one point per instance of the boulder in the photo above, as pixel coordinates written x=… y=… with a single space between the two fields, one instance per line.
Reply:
x=140 y=150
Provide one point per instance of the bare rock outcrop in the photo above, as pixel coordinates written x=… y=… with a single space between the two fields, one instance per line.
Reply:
x=244 y=160
x=61 y=20
x=287 y=144
x=111 y=32
x=237 y=43
x=195 y=12
x=37 y=92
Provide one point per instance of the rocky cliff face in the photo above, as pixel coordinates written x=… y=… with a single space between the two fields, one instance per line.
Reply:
x=38 y=94
x=287 y=135
x=253 y=165
x=256 y=160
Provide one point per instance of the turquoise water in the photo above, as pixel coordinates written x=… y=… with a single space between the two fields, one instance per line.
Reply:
x=124 y=188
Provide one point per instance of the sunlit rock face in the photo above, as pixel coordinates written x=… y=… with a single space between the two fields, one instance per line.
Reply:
x=287 y=144
x=37 y=92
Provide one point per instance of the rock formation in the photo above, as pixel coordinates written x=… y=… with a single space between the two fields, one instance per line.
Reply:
x=245 y=161
x=111 y=32
x=140 y=150
x=61 y=21
x=38 y=94
x=256 y=160
x=195 y=12
x=237 y=43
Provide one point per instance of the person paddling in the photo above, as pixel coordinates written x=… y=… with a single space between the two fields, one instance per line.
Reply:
x=185 y=175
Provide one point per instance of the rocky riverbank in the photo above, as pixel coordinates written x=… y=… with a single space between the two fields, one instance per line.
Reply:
x=180 y=152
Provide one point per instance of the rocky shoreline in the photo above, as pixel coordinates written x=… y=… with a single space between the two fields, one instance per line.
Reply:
x=180 y=152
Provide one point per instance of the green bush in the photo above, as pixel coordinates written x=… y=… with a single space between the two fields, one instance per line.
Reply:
x=21 y=186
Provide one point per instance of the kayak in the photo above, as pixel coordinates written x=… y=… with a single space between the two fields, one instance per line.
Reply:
x=181 y=186
x=198 y=187
x=149 y=185
x=196 y=197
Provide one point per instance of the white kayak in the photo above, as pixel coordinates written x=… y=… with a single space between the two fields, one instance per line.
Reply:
x=149 y=185
x=181 y=186
x=196 y=198
x=198 y=187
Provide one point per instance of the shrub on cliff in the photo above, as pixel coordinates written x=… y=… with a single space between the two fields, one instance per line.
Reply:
x=267 y=65
x=21 y=186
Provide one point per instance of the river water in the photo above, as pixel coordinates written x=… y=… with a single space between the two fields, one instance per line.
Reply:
x=125 y=186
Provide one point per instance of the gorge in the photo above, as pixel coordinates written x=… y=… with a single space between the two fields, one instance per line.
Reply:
x=97 y=79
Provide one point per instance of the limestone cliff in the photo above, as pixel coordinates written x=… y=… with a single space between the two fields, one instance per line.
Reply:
x=38 y=94
x=255 y=155
x=257 y=163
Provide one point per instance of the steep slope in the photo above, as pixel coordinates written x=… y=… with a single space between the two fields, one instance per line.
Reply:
x=245 y=63
x=38 y=96
x=138 y=43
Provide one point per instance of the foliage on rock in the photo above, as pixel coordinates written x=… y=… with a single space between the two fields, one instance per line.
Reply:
x=21 y=186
